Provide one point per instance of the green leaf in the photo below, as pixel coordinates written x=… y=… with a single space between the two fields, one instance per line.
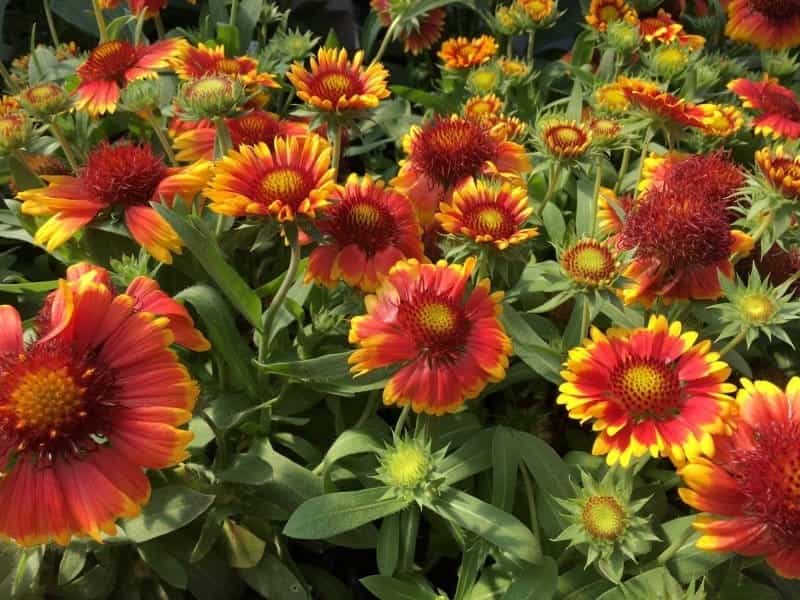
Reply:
x=274 y=580
x=689 y=562
x=222 y=331
x=387 y=551
x=537 y=582
x=505 y=461
x=170 y=508
x=166 y=566
x=328 y=515
x=655 y=583
x=370 y=437
x=24 y=177
x=578 y=323
x=575 y=105
x=209 y=534
x=584 y=207
x=243 y=547
x=494 y=525
x=206 y=250
x=469 y=459
x=28 y=287
x=228 y=36
x=390 y=588
x=581 y=583
x=425 y=99
x=72 y=562
x=554 y=223
x=530 y=347
x=247 y=469
x=249 y=13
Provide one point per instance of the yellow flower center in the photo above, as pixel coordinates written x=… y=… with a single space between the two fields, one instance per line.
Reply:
x=365 y=215
x=336 y=85
x=609 y=13
x=284 y=185
x=41 y=93
x=589 y=262
x=491 y=219
x=481 y=108
x=406 y=465
x=672 y=58
x=46 y=399
x=210 y=86
x=484 y=79
x=757 y=308
x=603 y=517
x=566 y=135
x=646 y=388
x=436 y=318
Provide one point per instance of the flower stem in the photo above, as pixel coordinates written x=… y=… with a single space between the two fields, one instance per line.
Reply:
x=160 y=30
x=65 y=146
x=222 y=145
x=49 y=16
x=598 y=180
x=386 y=39
x=409 y=526
x=734 y=342
x=509 y=46
x=553 y=176
x=234 y=12
x=101 y=21
x=337 y=147
x=648 y=136
x=162 y=139
x=531 y=40
x=369 y=408
x=7 y=79
x=290 y=231
x=623 y=169
x=401 y=420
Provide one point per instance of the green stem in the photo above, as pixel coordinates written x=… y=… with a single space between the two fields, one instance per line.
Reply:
x=766 y=222
x=554 y=175
x=531 y=40
x=65 y=146
x=401 y=420
x=221 y=456
x=337 y=147
x=598 y=180
x=7 y=79
x=50 y=23
x=409 y=526
x=101 y=21
x=386 y=39
x=734 y=342
x=369 y=408
x=287 y=102
x=623 y=169
x=648 y=136
x=290 y=231
x=222 y=145
x=160 y=30
x=162 y=139
x=510 y=46
x=234 y=12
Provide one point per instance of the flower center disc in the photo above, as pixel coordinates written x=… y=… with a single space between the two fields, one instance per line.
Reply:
x=776 y=9
x=588 y=262
x=365 y=215
x=757 y=307
x=284 y=185
x=490 y=220
x=603 y=517
x=336 y=85
x=46 y=399
x=228 y=66
x=436 y=319
x=109 y=61
x=646 y=388
x=609 y=13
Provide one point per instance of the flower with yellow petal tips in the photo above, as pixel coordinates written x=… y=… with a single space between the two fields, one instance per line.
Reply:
x=781 y=170
x=196 y=62
x=463 y=53
x=779 y=107
x=767 y=24
x=603 y=12
x=649 y=390
x=721 y=120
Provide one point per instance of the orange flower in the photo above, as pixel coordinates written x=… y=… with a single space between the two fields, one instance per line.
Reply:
x=369 y=228
x=150 y=7
x=463 y=53
x=335 y=84
x=612 y=98
x=663 y=29
x=250 y=128
x=767 y=24
x=611 y=210
x=291 y=178
x=781 y=170
x=123 y=177
x=202 y=61
x=447 y=341
x=489 y=111
x=603 y=12
x=779 y=107
x=112 y=65
x=420 y=33
x=538 y=11
x=446 y=151
x=85 y=409
x=488 y=212
x=590 y=263
x=649 y=390
x=750 y=486
x=566 y=140
x=659 y=105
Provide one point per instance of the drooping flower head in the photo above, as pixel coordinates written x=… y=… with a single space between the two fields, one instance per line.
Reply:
x=83 y=411
x=16 y=131
x=591 y=263
x=603 y=12
x=249 y=128
x=778 y=107
x=444 y=152
x=368 y=229
x=660 y=106
x=418 y=34
x=196 y=62
x=463 y=53
x=126 y=178
x=488 y=212
x=767 y=24
x=750 y=489
x=649 y=390
x=446 y=340
x=336 y=84
x=293 y=177
x=781 y=170
x=112 y=65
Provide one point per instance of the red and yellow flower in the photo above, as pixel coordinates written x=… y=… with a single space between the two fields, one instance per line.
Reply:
x=611 y=210
x=767 y=24
x=660 y=105
x=721 y=120
x=444 y=152
x=488 y=110
x=196 y=62
x=123 y=177
x=611 y=97
x=84 y=410
x=750 y=488
x=662 y=28
x=778 y=106
x=150 y=7
x=603 y=12
x=112 y=65
x=335 y=84
x=538 y=11
x=419 y=35
x=368 y=229
x=650 y=390
x=446 y=340
x=564 y=139
x=590 y=263
x=293 y=177
x=463 y=53
x=488 y=212
x=781 y=170
x=250 y=128
x=657 y=168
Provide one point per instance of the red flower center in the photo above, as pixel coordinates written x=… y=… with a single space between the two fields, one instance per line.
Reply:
x=254 y=128
x=776 y=9
x=438 y=324
x=647 y=388
x=712 y=176
x=286 y=185
x=109 y=61
x=449 y=150
x=781 y=103
x=365 y=222
x=335 y=85
x=123 y=174
x=52 y=400
x=768 y=475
